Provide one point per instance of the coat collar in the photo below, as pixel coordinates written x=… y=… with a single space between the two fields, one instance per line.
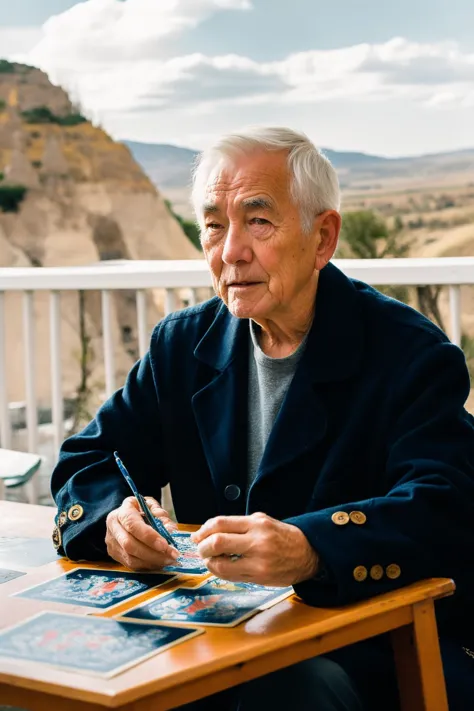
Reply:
x=335 y=342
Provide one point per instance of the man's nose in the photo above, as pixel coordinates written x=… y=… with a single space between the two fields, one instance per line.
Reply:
x=237 y=246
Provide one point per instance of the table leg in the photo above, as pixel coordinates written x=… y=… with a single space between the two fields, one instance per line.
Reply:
x=418 y=661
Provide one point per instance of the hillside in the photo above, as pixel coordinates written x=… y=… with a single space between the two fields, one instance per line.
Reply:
x=70 y=195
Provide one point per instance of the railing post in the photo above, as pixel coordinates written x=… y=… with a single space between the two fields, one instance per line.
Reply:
x=5 y=428
x=142 y=322
x=30 y=370
x=455 y=313
x=171 y=301
x=192 y=297
x=56 y=371
x=32 y=488
x=108 y=342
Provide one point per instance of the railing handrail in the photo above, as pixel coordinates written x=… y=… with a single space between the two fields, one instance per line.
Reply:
x=172 y=274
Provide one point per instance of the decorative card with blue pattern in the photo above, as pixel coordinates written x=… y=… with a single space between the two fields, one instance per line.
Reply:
x=189 y=561
x=7 y=575
x=95 y=588
x=25 y=552
x=96 y=646
x=214 y=603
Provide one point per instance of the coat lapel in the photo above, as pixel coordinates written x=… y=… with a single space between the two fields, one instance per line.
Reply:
x=333 y=352
x=220 y=407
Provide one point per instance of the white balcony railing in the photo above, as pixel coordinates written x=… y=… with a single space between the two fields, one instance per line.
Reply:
x=107 y=277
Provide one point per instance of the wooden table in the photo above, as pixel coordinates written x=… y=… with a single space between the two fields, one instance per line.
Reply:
x=222 y=658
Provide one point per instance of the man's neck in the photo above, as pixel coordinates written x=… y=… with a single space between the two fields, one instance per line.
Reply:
x=280 y=337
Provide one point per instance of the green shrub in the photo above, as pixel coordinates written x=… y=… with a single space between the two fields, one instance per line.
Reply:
x=3 y=104
x=6 y=67
x=36 y=163
x=1 y=176
x=71 y=120
x=191 y=230
x=43 y=114
x=11 y=197
x=189 y=227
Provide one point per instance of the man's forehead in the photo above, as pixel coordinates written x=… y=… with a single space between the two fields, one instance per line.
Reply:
x=246 y=185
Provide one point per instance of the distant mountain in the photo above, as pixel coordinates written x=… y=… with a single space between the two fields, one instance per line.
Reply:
x=169 y=167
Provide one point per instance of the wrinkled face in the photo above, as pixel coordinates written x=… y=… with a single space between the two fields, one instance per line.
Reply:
x=259 y=258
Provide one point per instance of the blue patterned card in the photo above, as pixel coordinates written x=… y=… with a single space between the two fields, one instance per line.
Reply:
x=92 y=645
x=215 y=602
x=94 y=588
x=189 y=561
x=7 y=575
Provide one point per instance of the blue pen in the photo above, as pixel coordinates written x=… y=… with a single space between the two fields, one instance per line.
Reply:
x=155 y=523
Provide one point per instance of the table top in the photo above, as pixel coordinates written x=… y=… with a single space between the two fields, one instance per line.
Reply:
x=277 y=628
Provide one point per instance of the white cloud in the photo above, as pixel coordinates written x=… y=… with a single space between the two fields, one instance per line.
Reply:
x=18 y=40
x=118 y=58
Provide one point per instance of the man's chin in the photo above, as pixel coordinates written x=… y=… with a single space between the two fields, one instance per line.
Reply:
x=240 y=309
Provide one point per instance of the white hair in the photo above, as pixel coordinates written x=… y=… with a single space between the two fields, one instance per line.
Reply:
x=314 y=185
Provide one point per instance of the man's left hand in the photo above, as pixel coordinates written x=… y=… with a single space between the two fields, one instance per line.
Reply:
x=273 y=553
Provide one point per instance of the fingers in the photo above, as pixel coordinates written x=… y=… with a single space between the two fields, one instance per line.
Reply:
x=162 y=514
x=223 y=544
x=222 y=524
x=130 y=518
x=234 y=571
x=133 y=543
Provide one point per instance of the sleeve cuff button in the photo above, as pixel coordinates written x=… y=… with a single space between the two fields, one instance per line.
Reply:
x=360 y=573
x=57 y=540
x=75 y=512
x=393 y=571
x=358 y=517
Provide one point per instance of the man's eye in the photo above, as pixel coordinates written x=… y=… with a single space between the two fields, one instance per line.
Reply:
x=259 y=221
x=213 y=226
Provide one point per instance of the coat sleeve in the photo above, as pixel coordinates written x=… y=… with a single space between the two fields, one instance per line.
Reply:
x=86 y=484
x=422 y=524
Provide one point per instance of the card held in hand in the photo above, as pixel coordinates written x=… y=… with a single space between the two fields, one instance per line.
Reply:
x=95 y=588
x=189 y=561
x=95 y=646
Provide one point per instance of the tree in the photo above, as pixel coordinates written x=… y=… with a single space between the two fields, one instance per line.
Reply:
x=365 y=235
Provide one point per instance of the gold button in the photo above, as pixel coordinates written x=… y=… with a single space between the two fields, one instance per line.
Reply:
x=56 y=537
x=358 y=517
x=62 y=518
x=376 y=572
x=393 y=571
x=75 y=512
x=360 y=573
x=340 y=518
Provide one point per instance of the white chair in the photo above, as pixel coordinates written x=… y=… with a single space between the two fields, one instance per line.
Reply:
x=19 y=469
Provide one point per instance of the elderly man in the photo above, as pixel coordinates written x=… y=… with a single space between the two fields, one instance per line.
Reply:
x=309 y=423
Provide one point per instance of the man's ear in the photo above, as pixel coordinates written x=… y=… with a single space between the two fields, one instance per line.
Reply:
x=327 y=226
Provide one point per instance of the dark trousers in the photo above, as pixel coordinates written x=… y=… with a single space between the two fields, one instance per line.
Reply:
x=317 y=684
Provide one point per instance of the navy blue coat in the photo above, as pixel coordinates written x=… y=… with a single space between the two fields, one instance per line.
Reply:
x=373 y=422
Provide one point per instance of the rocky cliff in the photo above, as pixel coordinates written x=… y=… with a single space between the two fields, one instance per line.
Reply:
x=70 y=195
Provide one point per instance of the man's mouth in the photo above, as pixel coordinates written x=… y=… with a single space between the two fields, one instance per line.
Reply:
x=242 y=284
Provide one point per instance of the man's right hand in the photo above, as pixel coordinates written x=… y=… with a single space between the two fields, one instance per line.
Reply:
x=133 y=543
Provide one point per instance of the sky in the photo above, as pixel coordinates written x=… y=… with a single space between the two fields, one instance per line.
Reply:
x=390 y=78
